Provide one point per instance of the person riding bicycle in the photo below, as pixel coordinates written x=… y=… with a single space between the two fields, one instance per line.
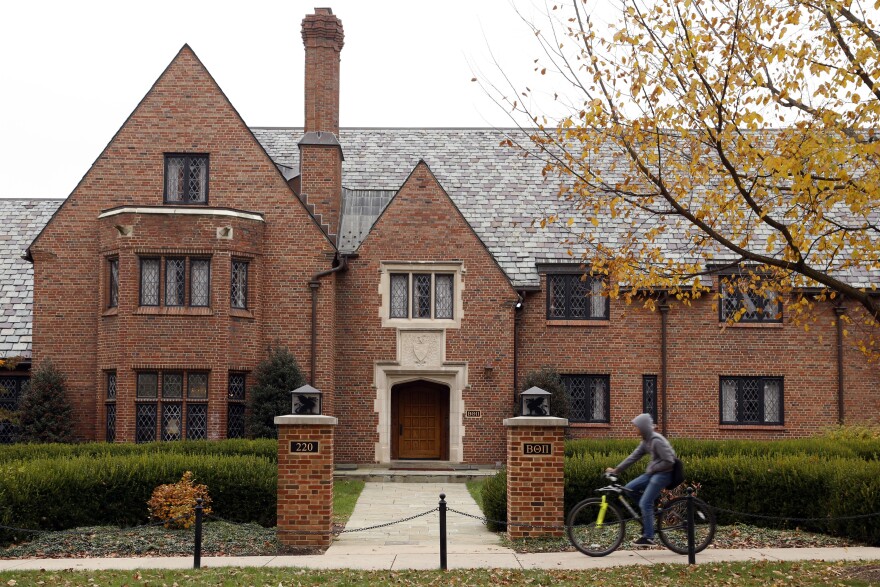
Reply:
x=657 y=475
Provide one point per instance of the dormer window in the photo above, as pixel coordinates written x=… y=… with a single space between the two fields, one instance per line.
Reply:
x=186 y=178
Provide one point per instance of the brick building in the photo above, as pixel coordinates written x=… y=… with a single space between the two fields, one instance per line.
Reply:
x=401 y=268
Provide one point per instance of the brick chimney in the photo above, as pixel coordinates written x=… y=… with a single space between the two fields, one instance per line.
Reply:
x=319 y=149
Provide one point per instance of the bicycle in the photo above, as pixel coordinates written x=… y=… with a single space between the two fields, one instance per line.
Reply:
x=596 y=526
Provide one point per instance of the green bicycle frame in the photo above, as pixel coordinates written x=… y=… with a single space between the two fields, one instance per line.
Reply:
x=602 y=509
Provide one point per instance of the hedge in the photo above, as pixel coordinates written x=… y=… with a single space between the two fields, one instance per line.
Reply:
x=25 y=452
x=110 y=489
x=775 y=485
x=859 y=448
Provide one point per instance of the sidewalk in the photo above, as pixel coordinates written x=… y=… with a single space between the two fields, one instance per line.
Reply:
x=458 y=558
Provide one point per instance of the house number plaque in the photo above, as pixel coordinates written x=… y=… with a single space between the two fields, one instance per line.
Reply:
x=537 y=448
x=303 y=446
x=473 y=414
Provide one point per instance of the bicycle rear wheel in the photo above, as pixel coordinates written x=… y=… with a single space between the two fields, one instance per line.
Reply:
x=590 y=536
x=672 y=525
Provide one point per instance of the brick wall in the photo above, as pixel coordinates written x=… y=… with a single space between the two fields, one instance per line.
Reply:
x=535 y=483
x=700 y=351
x=185 y=111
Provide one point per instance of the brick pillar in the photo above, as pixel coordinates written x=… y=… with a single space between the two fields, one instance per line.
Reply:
x=535 y=468
x=305 y=480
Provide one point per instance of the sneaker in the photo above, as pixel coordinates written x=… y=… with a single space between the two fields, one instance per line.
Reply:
x=644 y=542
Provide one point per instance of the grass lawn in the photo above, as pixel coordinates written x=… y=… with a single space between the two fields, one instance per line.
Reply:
x=747 y=574
x=345 y=496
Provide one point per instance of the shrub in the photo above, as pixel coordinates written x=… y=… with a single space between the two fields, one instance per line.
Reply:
x=44 y=414
x=276 y=377
x=549 y=380
x=176 y=502
x=495 y=501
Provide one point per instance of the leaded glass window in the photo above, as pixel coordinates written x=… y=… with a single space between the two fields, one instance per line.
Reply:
x=148 y=385
x=172 y=421
x=443 y=294
x=576 y=297
x=175 y=282
x=186 y=179
x=235 y=421
x=237 y=387
x=649 y=395
x=738 y=300
x=111 y=385
x=10 y=394
x=588 y=397
x=150 y=282
x=198 y=386
x=172 y=385
x=200 y=282
x=113 y=300
x=235 y=406
x=239 y=284
x=751 y=400
x=421 y=295
x=111 y=422
x=196 y=421
x=145 y=422
x=399 y=295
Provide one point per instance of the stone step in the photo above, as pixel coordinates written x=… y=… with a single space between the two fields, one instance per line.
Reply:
x=414 y=472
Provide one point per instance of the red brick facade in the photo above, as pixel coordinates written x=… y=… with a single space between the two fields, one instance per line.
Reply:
x=118 y=212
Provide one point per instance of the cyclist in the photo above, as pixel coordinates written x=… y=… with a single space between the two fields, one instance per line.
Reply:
x=656 y=476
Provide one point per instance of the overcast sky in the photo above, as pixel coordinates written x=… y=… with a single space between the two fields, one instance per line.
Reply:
x=72 y=71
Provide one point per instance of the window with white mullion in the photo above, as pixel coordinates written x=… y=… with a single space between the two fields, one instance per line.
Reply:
x=400 y=295
x=421 y=295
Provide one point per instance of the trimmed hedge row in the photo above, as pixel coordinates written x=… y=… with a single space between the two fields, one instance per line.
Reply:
x=266 y=448
x=856 y=448
x=780 y=485
x=68 y=492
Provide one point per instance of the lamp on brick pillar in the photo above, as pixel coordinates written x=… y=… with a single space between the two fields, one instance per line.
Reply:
x=306 y=401
x=535 y=471
x=535 y=402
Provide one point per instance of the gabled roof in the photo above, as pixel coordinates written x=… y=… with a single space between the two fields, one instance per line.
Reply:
x=21 y=221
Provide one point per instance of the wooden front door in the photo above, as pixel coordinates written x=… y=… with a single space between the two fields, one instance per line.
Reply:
x=420 y=421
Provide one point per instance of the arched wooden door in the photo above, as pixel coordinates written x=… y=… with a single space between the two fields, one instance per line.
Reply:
x=420 y=421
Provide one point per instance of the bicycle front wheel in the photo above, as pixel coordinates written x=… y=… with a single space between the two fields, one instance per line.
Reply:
x=672 y=525
x=594 y=528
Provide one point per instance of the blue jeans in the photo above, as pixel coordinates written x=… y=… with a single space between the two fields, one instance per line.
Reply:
x=649 y=485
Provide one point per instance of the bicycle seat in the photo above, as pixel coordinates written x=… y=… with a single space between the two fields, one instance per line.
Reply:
x=614 y=488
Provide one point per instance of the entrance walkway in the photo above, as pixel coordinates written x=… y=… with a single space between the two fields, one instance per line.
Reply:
x=381 y=503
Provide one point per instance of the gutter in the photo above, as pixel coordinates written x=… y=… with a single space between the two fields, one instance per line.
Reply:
x=314 y=284
x=517 y=315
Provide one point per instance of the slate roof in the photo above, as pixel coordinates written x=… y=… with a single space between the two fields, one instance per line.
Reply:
x=20 y=221
x=499 y=192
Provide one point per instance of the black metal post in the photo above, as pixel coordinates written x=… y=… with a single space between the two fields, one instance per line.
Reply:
x=443 y=531
x=197 y=549
x=692 y=556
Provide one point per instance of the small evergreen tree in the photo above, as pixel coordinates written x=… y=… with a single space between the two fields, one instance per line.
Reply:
x=44 y=412
x=276 y=376
x=549 y=380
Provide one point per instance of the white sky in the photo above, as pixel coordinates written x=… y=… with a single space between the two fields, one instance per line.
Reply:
x=72 y=71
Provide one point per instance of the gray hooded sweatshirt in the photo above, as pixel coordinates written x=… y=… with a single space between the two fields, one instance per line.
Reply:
x=662 y=455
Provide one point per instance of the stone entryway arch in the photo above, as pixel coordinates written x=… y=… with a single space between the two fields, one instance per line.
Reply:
x=450 y=376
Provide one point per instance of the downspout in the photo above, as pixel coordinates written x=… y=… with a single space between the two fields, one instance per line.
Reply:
x=517 y=314
x=840 y=310
x=664 y=312
x=315 y=284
